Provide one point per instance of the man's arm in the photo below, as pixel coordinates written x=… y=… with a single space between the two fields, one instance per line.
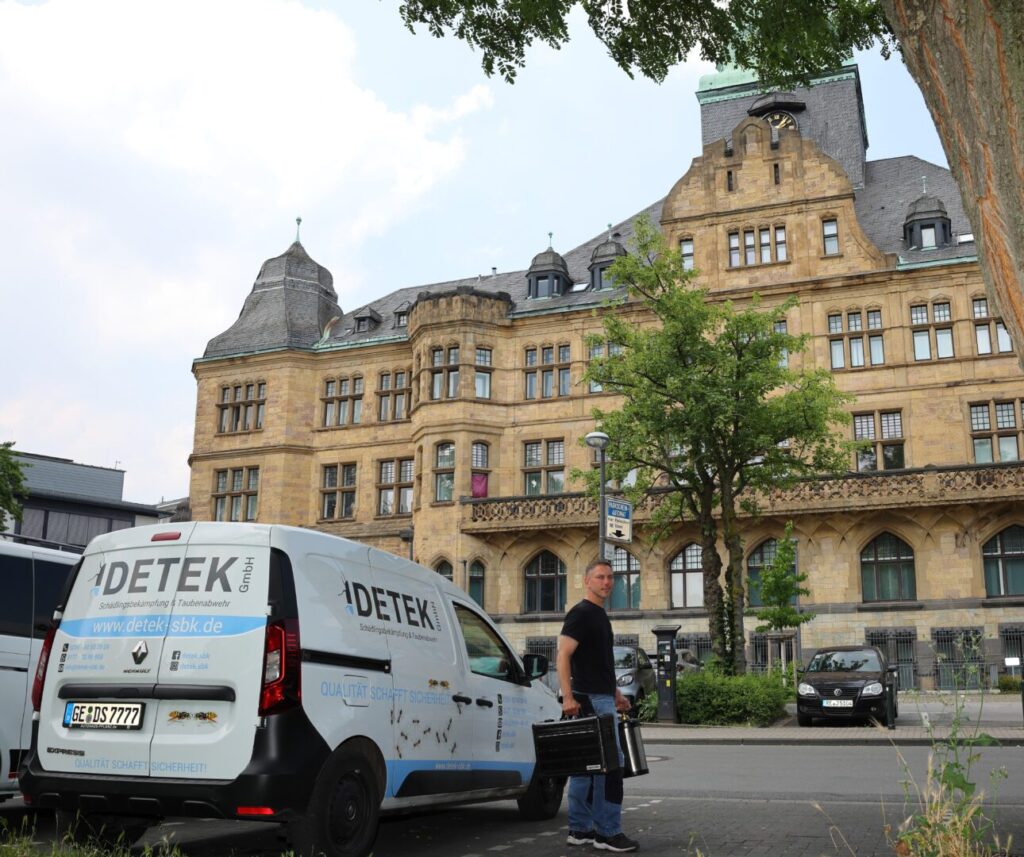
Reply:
x=566 y=647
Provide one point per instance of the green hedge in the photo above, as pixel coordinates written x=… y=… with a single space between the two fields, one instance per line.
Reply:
x=1009 y=683
x=711 y=699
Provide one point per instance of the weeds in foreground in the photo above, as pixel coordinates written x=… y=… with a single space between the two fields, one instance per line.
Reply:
x=21 y=841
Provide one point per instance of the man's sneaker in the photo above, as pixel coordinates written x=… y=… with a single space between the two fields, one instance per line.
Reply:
x=580 y=837
x=618 y=842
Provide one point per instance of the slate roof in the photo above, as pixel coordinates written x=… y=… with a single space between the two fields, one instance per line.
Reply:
x=891 y=186
x=48 y=475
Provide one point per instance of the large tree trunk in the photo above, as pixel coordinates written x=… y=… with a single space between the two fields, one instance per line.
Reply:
x=734 y=589
x=711 y=566
x=968 y=58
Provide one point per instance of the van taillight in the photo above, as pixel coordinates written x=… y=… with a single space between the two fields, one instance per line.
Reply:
x=282 y=687
x=44 y=659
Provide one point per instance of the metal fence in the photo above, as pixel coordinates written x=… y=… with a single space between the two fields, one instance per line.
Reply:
x=959 y=658
x=759 y=644
x=898 y=645
x=699 y=644
x=1012 y=637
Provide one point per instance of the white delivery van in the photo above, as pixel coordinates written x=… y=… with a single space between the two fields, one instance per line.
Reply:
x=272 y=673
x=32 y=581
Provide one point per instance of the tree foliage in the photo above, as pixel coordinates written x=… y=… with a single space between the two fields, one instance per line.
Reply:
x=783 y=40
x=711 y=414
x=12 y=483
x=780 y=586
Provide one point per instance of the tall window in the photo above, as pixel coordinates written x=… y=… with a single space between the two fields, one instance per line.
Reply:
x=242 y=407
x=444 y=472
x=995 y=430
x=394 y=487
x=476 y=581
x=885 y=431
x=887 y=570
x=343 y=401
x=852 y=346
x=236 y=494
x=393 y=395
x=626 y=588
x=686 y=253
x=687 y=577
x=934 y=335
x=481 y=468
x=543 y=467
x=482 y=378
x=444 y=568
x=444 y=376
x=763 y=555
x=545 y=584
x=830 y=237
x=338 y=491
x=984 y=325
x=602 y=349
x=1003 y=557
x=553 y=377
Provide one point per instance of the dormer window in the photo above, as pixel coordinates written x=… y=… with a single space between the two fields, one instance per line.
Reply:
x=401 y=319
x=366 y=319
x=362 y=325
x=548 y=276
x=927 y=226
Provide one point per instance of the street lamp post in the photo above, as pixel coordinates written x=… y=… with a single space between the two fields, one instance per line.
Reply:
x=599 y=440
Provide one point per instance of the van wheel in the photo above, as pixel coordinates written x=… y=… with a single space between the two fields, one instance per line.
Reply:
x=102 y=829
x=542 y=799
x=344 y=811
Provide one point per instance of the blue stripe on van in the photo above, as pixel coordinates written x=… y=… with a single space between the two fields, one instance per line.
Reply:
x=399 y=769
x=162 y=625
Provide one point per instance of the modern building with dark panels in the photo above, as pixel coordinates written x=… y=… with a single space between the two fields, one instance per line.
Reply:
x=69 y=503
x=444 y=420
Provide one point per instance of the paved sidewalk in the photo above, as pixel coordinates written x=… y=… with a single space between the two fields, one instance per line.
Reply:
x=1000 y=717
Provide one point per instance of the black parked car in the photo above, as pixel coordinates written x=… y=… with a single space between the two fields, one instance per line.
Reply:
x=845 y=683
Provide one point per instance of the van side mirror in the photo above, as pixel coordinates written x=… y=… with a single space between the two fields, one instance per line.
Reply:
x=535 y=665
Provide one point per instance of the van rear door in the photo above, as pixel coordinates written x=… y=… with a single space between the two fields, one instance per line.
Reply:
x=15 y=643
x=211 y=663
x=98 y=713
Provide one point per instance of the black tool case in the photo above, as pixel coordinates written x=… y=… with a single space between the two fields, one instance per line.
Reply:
x=576 y=747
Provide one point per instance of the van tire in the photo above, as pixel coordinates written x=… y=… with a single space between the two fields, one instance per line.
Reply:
x=543 y=798
x=102 y=829
x=344 y=810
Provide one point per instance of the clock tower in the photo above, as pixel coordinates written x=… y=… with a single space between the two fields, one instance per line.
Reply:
x=830 y=111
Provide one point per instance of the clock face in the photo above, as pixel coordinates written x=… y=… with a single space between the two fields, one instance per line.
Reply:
x=780 y=119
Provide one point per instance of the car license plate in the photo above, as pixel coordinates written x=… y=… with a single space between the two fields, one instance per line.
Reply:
x=103 y=715
x=837 y=703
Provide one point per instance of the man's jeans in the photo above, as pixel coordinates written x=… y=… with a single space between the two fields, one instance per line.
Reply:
x=595 y=802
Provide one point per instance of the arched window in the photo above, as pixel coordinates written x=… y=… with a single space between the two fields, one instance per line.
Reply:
x=760 y=557
x=687 y=577
x=1003 y=557
x=476 y=581
x=887 y=570
x=626 y=591
x=545 y=584
x=444 y=568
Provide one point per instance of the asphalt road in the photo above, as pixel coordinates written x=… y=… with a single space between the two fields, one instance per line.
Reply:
x=718 y=801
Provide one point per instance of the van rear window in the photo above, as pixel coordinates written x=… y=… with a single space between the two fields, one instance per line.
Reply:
x=50 y=580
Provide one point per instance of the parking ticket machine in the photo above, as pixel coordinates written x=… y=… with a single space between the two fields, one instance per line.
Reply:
x=666 y=636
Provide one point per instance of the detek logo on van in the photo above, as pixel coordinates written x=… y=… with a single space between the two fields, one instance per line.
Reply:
x=169 y=573
x=390 y=606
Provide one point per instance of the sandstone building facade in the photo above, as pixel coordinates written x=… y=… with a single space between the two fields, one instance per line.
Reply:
x=443 y=421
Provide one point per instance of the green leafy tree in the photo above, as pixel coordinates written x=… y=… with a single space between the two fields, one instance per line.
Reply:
x=710 y=414
x=12 y=483
x=967 y=57
x=780 y=585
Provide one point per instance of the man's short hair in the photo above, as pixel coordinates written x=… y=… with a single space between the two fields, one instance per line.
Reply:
x=594 y=564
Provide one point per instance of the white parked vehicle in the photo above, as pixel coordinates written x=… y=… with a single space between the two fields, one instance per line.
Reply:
x=33 y=580
x=272 y=673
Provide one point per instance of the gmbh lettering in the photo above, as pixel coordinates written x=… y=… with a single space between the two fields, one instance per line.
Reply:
x=387 y=605
x=194 y=574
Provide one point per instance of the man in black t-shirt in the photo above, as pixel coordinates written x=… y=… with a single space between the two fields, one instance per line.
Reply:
x=586 y=673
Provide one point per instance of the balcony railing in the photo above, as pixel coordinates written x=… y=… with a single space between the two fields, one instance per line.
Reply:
x=930 y=486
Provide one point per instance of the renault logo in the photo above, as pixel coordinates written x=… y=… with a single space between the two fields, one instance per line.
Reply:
x=140 y=651
x=836 y=692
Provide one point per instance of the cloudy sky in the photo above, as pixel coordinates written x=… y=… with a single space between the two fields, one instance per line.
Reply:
x=155 y=152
